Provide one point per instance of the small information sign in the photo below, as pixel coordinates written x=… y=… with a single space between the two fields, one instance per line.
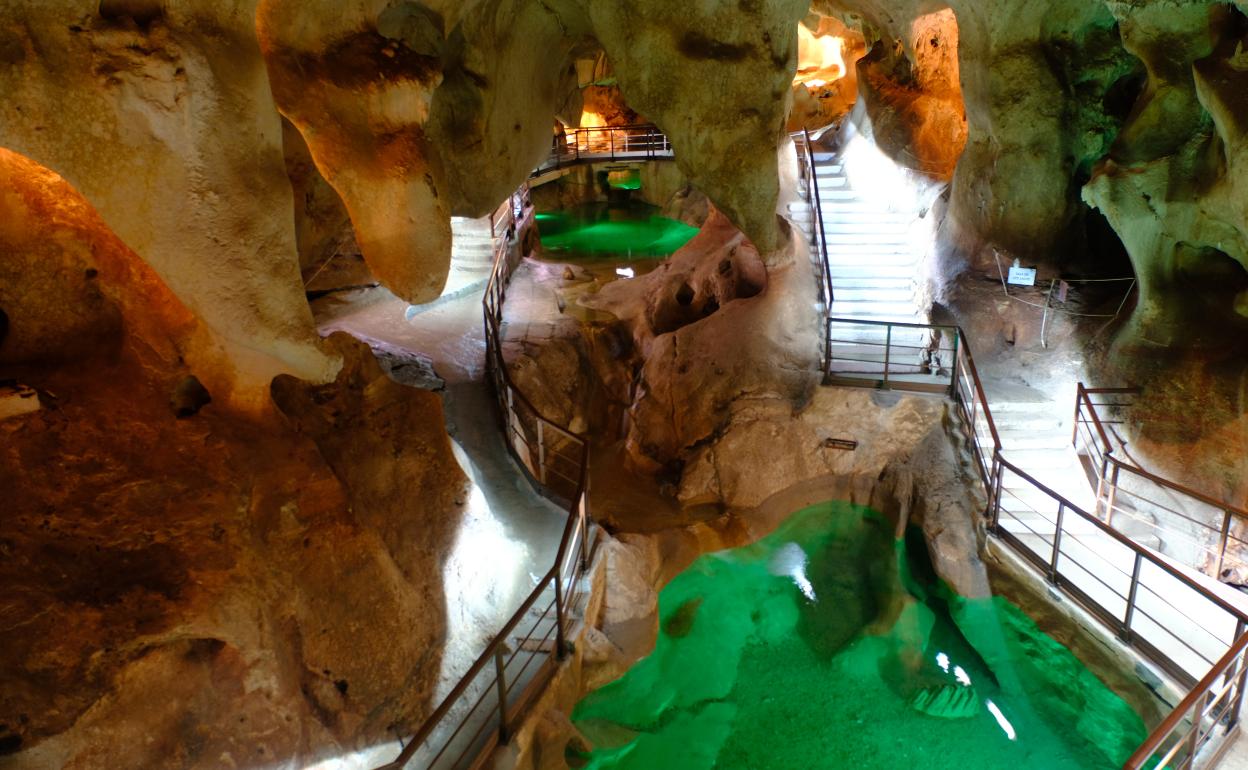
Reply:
x=1022 y=276
x=1062 y=288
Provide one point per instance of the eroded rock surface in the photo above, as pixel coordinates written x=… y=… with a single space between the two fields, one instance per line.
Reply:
x=183 y=583
x=161 y=116
x=685 y=319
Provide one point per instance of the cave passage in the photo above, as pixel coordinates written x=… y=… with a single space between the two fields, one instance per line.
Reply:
x=828 y=639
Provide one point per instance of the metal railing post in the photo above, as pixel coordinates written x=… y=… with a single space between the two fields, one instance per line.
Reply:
x=888 y=347
x=1074 y=434
x=1057 y=542
x=1193 y=742
x=1113 y=494
x=541 y=452
x=998 y=473
x=957 y=363
x=1226 y=531
x=827 y=350
x=611 y=137
x=1126 y=633
x=1239 y=688
x=500 y=674
x=559 y=643
x=584 y=516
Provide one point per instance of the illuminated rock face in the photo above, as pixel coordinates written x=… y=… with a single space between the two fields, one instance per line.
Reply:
x=826 y=84
x=913 y=96
x=161 y=115
x=1173 y=187
x=192 y=583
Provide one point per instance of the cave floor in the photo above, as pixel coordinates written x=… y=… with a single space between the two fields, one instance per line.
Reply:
x=509 y=536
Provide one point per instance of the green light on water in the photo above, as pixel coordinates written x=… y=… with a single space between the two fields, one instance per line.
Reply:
x=596 y=230
x=829 y=645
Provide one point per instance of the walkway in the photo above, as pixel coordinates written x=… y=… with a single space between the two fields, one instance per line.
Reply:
x=510 y=533
x=1039 y=493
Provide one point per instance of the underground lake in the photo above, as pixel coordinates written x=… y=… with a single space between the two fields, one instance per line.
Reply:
x=832 y=644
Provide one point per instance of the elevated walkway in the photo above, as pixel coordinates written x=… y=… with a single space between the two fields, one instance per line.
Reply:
x=1183 y=622
x=1187 y=624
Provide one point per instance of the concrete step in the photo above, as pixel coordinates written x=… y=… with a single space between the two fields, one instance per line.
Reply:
x=841 y=257
x=841 y=271
x=892 y=311
x=858 y=225
x=874 y=238
x=1025 y=405
x=1013 y=440
x=873 y=294
x=873 y=282
x=837 y=195
x=830 y=181
x=840 y=203
x=1048 y=421
x=1047 y=459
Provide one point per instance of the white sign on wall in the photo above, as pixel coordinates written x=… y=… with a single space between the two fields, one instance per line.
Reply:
x=1022 y=276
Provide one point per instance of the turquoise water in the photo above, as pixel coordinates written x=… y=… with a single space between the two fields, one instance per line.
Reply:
x=596 y=230
x=831 y=645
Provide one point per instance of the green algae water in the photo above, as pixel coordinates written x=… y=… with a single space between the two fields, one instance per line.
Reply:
x=830 y=645
x=596 y=230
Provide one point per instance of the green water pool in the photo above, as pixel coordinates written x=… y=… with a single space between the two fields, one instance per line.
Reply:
x=597 y=230
x=831 y=645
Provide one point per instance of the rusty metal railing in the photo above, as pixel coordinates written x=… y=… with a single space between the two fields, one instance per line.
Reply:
x=1196 y=529
x=808 y=171
x=606 y=143
x=496 y=691
x=1167 y=614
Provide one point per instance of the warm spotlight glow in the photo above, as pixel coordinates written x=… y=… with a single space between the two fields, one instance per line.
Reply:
x=595 y=141
x=820 y=60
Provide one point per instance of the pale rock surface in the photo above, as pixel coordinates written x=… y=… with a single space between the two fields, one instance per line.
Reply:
x=715 y=77
x=685 y=319
x=141 y=108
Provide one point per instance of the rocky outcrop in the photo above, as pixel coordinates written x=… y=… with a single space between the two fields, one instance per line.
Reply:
x=183 y=583
x=198 y=588
x=685 y=320
x=913 y=96
x=161 y=116
x=904 y=461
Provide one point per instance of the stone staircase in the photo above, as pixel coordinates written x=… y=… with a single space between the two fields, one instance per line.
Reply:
x=875 y=271
x=472 y=255
x=1035 y=435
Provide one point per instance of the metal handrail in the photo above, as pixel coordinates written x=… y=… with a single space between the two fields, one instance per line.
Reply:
x=1230 y=667
x=570 y=560
x=972 y=405
x=1145 y=553
x=821 y=242
x=1111 y=466
x=966 y=388
x=631 y=142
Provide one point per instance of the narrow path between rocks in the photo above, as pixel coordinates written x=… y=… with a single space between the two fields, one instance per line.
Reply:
x=509 y=535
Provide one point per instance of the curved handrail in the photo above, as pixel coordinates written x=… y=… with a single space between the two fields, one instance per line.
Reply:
x=1111 y=461
x=575 y=528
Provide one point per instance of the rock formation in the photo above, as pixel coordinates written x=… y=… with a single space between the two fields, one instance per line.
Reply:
x=223 y=535
x=174 y=138
x=192 y=583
